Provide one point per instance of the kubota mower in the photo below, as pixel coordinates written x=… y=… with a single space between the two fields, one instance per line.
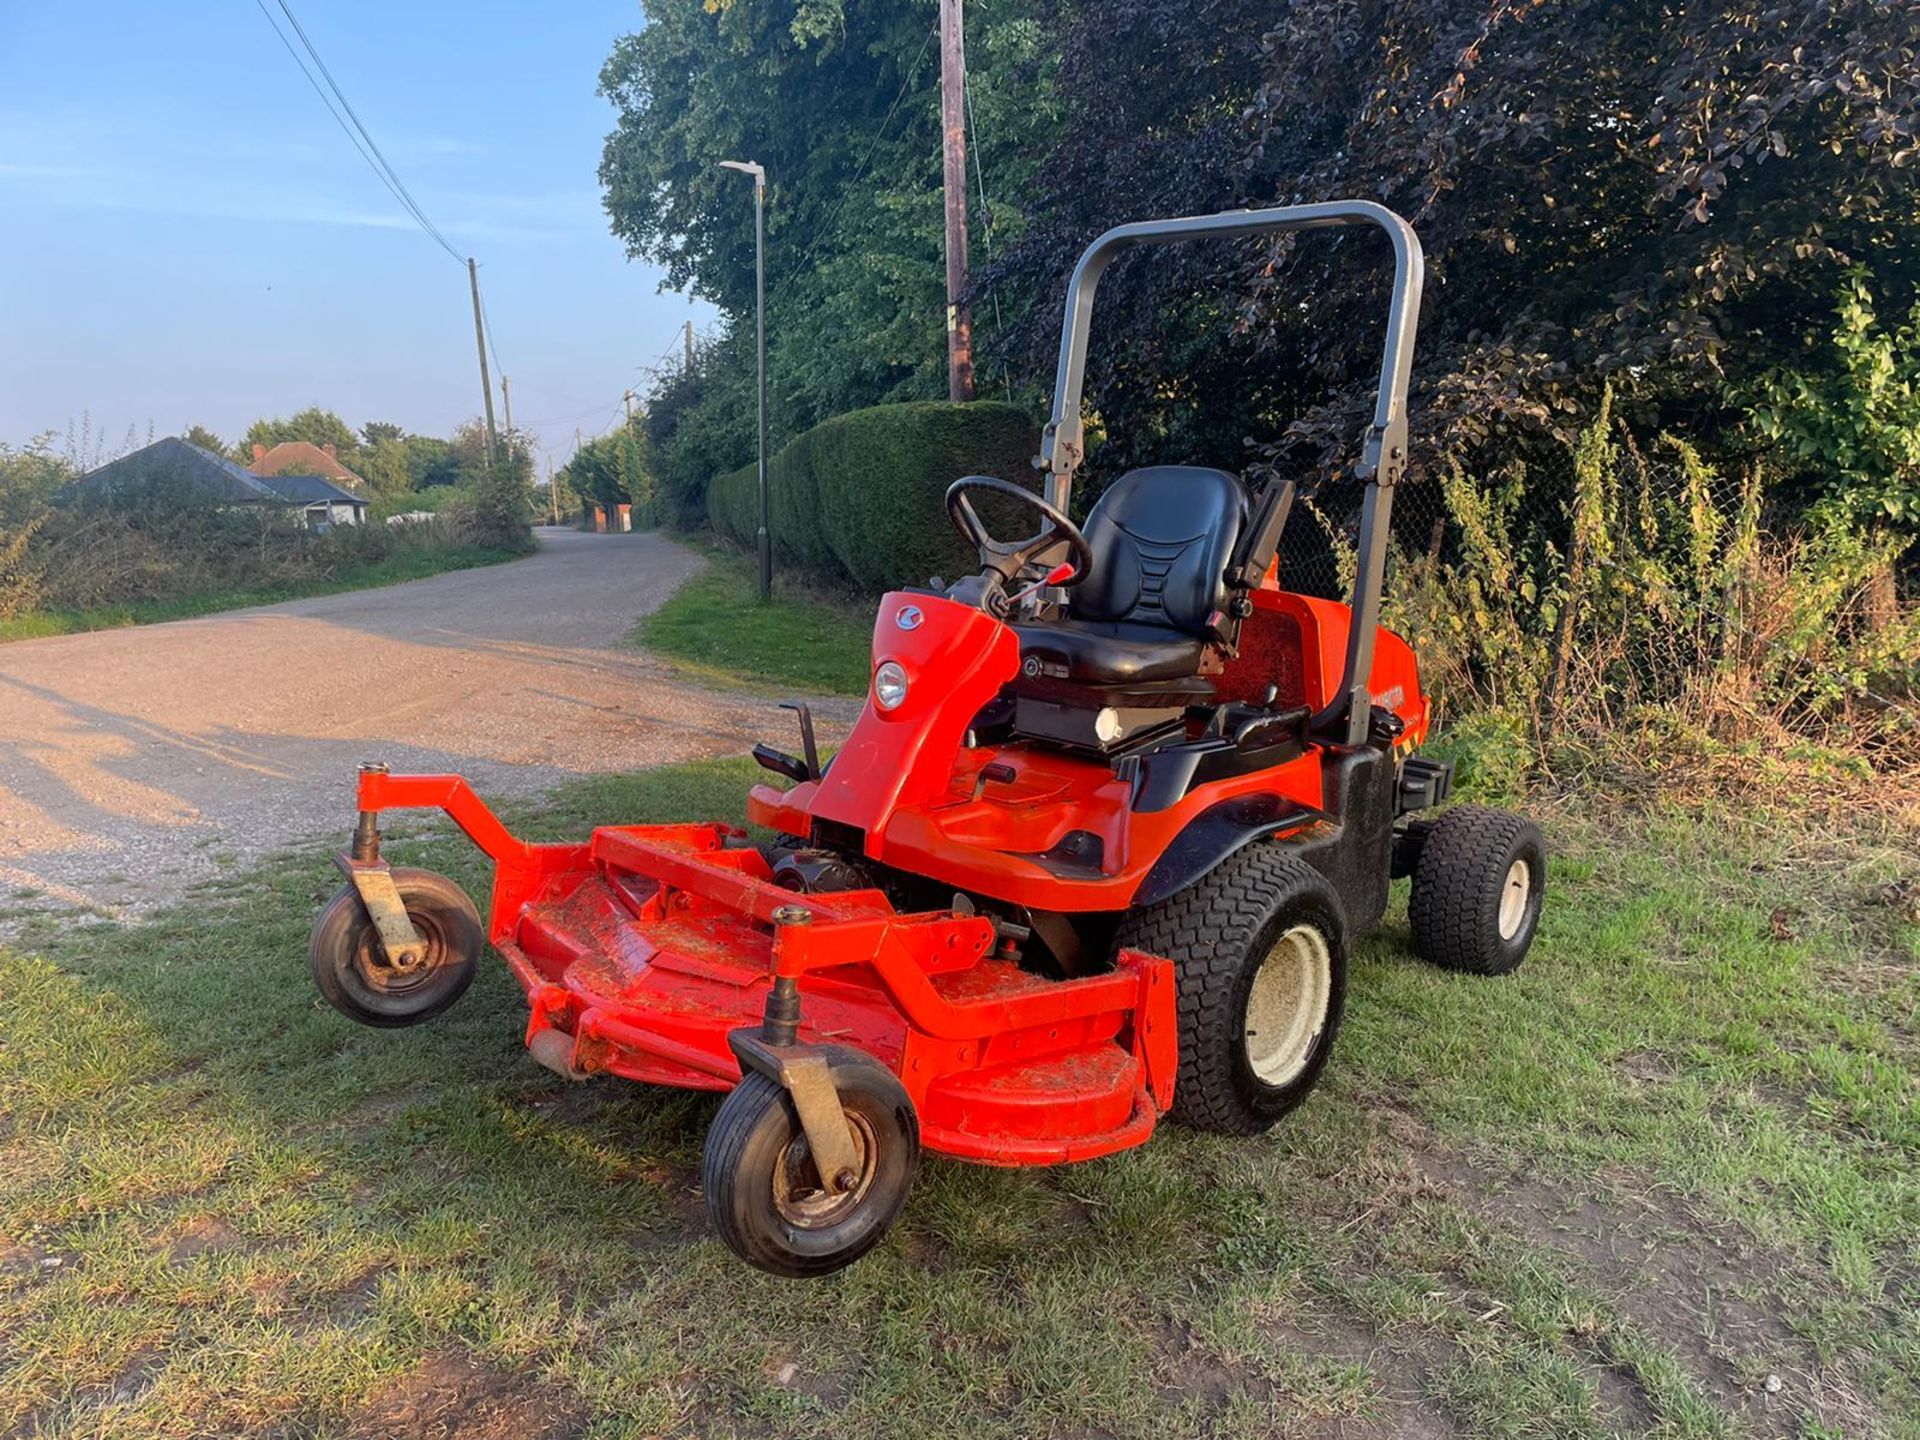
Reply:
x=1092 y=854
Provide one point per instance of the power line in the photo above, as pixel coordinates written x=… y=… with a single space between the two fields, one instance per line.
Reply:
x=383 y=166
x=873 y=147
x=355 y=132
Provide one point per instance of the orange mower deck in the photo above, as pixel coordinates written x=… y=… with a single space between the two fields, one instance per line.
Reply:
x=644 y=949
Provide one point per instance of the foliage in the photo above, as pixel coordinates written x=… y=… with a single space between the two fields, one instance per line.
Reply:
x=1846 y=419
x=314 y=425
x=1660 y=193
x=617 y=469
x=376 y=432
x=30 y=476
x=1651 y=596
x=841 y=107
x=859 y=497
x=701 y=422
x=203 y=437
x=384 y=465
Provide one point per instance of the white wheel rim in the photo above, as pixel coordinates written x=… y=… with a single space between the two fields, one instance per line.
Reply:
x=1287 y=1005
x=1515 y=891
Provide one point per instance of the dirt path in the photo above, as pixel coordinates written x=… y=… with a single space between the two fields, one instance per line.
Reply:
x=134 y=761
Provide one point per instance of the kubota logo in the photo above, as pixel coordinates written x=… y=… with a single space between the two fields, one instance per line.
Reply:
x=909 y=617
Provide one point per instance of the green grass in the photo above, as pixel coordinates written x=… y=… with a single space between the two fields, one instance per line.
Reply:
x=716 y=629
x=415 y=563
x=1672 y=1156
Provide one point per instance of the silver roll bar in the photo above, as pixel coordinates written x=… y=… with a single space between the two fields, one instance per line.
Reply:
x=1383 y=457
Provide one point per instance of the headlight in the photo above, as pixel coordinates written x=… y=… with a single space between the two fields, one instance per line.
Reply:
x=889 y=685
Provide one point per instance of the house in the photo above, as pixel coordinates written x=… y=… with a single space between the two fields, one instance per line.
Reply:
x=322 y=502
x=177 y=466
x=300 y=457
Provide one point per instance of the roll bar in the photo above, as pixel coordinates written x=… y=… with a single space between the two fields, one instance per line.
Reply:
x=1383 y=456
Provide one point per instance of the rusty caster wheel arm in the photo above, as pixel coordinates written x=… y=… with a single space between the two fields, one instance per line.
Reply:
x=803 y=1071
x=372 y=880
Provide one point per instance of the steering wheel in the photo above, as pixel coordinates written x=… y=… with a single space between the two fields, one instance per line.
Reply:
x=1007 y=561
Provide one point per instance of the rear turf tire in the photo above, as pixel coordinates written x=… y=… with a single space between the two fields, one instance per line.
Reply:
x=1477 y=890
x=1260 y=955
x=350 y=967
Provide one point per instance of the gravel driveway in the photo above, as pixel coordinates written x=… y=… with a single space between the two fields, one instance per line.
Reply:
x=133 y=762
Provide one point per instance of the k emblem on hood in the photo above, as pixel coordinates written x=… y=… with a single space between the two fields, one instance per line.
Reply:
x=908 y=617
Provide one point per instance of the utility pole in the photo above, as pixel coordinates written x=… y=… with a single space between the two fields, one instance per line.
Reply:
x=688 y=332
x=480 y=339
x=627 y=400
x=506 y=399
x=553 y=491
x=953 y=127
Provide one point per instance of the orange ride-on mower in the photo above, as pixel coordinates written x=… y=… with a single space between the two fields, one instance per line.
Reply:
x=1092 y=854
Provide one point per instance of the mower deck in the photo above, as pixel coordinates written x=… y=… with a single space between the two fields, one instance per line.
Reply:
x=643 y=950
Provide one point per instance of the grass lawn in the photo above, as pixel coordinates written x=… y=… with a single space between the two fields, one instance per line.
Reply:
x=410 y=564
x=715 y=629
x=1663 y=1181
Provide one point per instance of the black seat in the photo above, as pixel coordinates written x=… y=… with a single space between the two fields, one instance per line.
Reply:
x=1161 y=537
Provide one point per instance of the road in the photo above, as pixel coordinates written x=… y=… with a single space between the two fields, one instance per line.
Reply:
x=133 y=762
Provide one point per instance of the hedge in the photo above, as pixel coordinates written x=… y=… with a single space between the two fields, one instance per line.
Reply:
x=858 y=497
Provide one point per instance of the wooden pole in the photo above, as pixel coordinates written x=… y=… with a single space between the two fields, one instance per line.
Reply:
x=480 y=339
x=953 y=125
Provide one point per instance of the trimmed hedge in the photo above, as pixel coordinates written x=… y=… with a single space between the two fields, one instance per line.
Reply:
x=858 y=497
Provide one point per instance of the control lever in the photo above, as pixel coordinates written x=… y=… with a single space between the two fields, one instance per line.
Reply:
x=996 y=773
x=807 y=745
x=1061 y=572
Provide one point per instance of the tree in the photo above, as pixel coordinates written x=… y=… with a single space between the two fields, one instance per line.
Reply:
x=384 y=465
x=375 y=431
x=203 y=437
x=840 y=104
x=1662 y=194
x=616 y=470
x=430 y=462
x=314 y=425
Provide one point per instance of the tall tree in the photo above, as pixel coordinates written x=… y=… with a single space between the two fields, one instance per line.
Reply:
x=314 y=425
x=203 y=437
x=1662 y=194
x=840 y=104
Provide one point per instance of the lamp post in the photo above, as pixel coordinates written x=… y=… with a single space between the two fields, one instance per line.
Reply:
x=765 y=537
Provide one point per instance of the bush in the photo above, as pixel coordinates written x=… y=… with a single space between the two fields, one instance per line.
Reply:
x=859 y=497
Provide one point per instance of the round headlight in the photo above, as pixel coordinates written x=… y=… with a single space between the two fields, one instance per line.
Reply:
x=889 y=685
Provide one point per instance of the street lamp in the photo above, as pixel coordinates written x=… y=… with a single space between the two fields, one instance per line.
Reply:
x=765 y=537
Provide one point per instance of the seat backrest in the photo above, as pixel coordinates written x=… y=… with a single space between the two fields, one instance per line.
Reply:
x=1161 y=537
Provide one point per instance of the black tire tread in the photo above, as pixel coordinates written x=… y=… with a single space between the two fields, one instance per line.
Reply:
x=724 y=1163
x=732 y=1127
x=1207 y=930
x=419 y=890
x=1446 y=907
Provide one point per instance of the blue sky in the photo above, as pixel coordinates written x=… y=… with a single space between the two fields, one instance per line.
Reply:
x=186 y=236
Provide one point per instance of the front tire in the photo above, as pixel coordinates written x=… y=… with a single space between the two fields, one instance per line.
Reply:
x=350 y=967
x=765 y=1196
x=1477 y=890
x=1260 y=956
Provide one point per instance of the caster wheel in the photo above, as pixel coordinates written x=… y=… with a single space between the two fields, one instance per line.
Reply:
x=1477 y=888
x=352 y=970
x=768 y=1201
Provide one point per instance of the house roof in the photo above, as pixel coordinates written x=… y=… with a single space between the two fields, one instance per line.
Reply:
x=304 y=458
x=177 y=461
x=310 y=490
